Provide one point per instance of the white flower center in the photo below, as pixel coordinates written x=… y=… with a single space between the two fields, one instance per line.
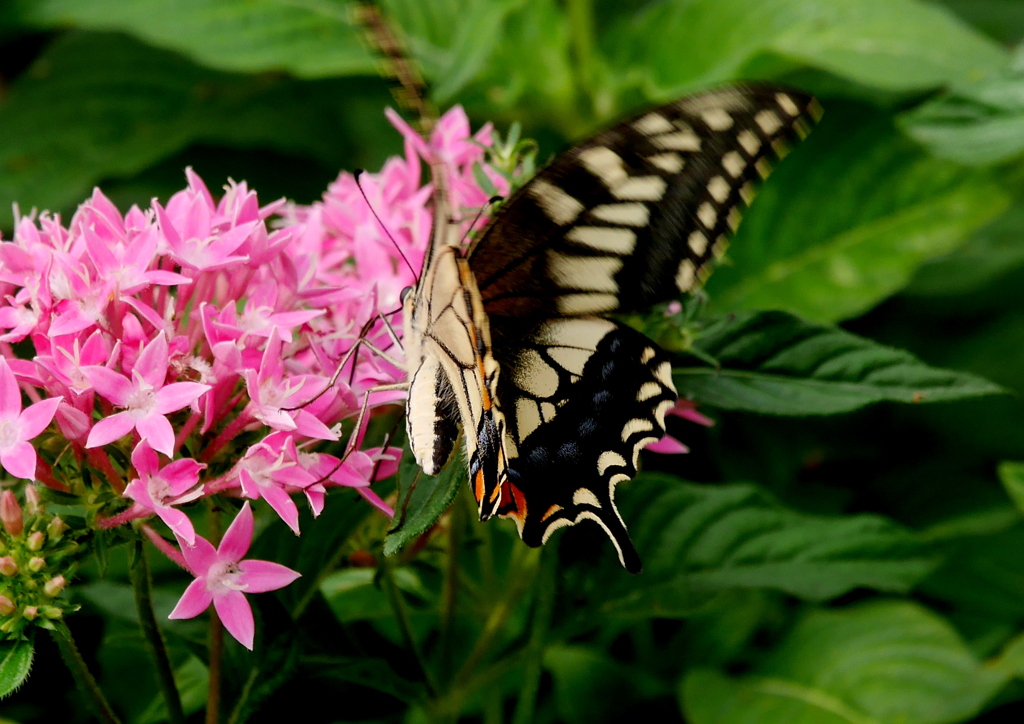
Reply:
x=142 y=400
x=9 y=430
x=224 y=576
x=159 y=490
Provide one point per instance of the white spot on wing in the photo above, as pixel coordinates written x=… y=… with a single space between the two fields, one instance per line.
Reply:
x=627 y=214
x=787 y=104
x=608 y=459
x=583 y=333
x=605 y=164
x=647 y=355
x=652 y=124
x=593 y=273
x=582 y=496
x=647 y=391
x=685 y=274
x=769 y=121
x=553 y=526
x=548 y=411
x=733 y=163
x=717 y=118
x=559 y=206
x=640 y=445
x=663 y=407
x=707 y=214
x=697 y=242
x=640 y=188
x=603 y=238
x=587 y=303
x=718 y=187
x=750 y=142
x=678 y=141
x=664 y=373
x=570 y=359
x=527 y=417
x=670 y=162
x=534 y=375
x=637 y=424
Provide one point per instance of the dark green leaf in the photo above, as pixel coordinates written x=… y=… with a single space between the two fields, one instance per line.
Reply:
x=15 y=664
x=827 y=239
x=193 y=681
x=308 y=39
x=1011 y=474
x=98 y=106
x=884 y=662
x=976 y=123
x=774 y=363
x=354 y=593
x=699 y=540
x=889 y=44
x=373 y=673
x=422 y=499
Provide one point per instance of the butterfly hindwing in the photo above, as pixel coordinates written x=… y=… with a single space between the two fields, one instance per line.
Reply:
x=636 y=214
x=611 y=398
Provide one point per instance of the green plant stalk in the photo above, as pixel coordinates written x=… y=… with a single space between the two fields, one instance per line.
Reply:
x=544 y=605
x=216 y=638
x=80 y=672
x=402 y=616
x=142 y=586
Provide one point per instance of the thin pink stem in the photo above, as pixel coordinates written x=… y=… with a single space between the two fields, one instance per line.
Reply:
x=227 y=435
x=186 y=429
x=99 y=459
x=164 y=546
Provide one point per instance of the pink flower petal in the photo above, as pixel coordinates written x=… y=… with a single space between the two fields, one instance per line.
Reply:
x=238 y=537
x=20 y=460
x=152 y=361
x=35 y=418
x=375 y=500
x=282 y=504
x=177 y=395
x=193 y=602
x=10 y=394
x=262 y=576
x=109 y=384
x=157 y=431
x=668 y=445
x=200 y=556
x=179 y=523
x=110 y=428
x=236 y=615
x=145 y=460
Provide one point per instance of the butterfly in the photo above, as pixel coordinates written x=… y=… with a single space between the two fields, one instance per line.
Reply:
x=510 y=340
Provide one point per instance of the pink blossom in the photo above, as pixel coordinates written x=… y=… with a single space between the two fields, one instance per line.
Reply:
x=18 y=426
x=145 y=397
x=268 y=470
x=223 y=578
x=157 y=490
x=688 y=411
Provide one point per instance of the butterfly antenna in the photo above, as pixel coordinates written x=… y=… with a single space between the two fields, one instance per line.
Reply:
x=486 y=207
x=357 y=175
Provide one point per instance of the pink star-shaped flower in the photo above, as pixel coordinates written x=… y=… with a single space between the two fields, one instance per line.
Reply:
x=18 y=426
x=157 y=489
x=223 y=578
x=145 y=398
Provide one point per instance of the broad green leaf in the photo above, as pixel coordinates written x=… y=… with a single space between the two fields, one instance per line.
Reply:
x=847 y=218
x=976 y=123
x=1001 y=19
x=774 y=363
x=1011 y=475
x=15 y=664
x=884 y=662
x=590 y=686
x=310 y=38
x=369 y=672
x=193 y=681
x=98 y=106
x=699 y=540
x=897 y=45
x=422 y=499
x=354 y=594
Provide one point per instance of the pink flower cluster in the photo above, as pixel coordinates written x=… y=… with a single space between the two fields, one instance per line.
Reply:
x=203 y=335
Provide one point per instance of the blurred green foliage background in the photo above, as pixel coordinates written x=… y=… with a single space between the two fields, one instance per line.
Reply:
x=865 y=568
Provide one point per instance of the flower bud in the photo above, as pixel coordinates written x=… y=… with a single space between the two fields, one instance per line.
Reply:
x=36 y=564
x=10 y=514
x=51 y=612
x=55 y=529
x=8 y=625
x=7 y=606
x=54 y=586
x=30 y=612
x=7 y=566
x=33 y=504
x=36 y=541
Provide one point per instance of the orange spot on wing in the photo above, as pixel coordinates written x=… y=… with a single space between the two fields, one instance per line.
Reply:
x=478 y=486
x=550 y=512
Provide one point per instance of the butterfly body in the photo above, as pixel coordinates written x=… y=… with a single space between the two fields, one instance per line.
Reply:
x=510 y=341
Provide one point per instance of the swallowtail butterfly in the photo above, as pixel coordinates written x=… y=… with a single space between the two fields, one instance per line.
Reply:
x=510 y=340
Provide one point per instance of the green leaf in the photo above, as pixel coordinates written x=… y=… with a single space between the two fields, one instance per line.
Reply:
x=976 y=123
x=699 y=540
x=884 y=662
x=96 y=106
x=373 y=673
x=826 y=240
x=310 y=39
x=590 y=686
x=1011 y=475
x=15 y=664
x=896 y=45
x=354 y=594
x=777 y=364
x=422 y=499
x=193 y=682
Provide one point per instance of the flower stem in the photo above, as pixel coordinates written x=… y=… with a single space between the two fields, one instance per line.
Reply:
x=543 y=606
x=402 y=616
x=83 y=677
x=216 y=640
x=142 y=585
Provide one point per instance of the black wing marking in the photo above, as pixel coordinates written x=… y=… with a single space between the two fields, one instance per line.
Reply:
x=565 y=469
x=636 y=214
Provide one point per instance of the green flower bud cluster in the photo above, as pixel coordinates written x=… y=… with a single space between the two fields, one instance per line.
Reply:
x=38 y=553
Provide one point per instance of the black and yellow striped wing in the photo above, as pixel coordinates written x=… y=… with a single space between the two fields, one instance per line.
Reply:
x=636 y=215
